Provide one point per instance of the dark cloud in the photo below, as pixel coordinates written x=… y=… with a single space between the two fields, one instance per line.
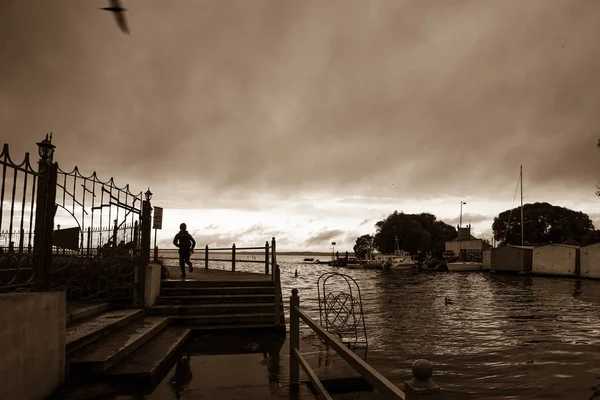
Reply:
x=324 y=238
x=210 y=101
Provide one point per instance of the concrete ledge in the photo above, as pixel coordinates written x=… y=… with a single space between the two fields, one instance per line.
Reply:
x=32 y=365
x=153 y=279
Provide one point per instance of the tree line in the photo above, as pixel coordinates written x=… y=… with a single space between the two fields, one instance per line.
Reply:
x=422 y=233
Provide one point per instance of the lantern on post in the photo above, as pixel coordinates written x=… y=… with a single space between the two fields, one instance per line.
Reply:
x=46 y=149
x=148 y=195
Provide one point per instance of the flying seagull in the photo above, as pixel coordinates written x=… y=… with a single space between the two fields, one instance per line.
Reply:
x=115 y=6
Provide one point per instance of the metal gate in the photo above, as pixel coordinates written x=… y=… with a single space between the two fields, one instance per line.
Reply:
x=90 y=239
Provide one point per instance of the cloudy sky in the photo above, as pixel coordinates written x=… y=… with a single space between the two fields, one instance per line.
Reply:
x=311 y=120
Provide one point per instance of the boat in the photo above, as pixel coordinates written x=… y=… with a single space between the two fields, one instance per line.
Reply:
x=309 y=259
x=464 y=266
x=400 y=260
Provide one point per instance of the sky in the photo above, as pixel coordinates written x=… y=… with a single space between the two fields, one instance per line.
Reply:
x=309 y=120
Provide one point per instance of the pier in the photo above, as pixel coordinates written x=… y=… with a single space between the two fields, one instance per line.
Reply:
x=91 y=311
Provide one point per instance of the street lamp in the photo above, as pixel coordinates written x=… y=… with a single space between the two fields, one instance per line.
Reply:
x=46 y=148
x=148 y=194
x=333 y=251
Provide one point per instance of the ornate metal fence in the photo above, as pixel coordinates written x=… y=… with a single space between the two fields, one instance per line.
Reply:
x=17 y=214
x=90 y=237
x=92 y=258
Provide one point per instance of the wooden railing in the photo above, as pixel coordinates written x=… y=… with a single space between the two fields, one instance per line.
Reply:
x=278 y=297
x=270 y=258
x=420 y=387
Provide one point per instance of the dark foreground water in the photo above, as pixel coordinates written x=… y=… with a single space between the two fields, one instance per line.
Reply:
x=501 y=337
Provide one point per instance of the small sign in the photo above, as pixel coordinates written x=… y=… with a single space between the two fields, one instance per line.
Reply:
x=158 y=214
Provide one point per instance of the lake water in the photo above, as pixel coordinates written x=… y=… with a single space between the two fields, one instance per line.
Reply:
x=501 y=337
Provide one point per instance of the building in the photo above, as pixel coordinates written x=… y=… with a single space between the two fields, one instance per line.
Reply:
x=590 y=261
x=470 y=247
x=487 y=260
x=556 y=259
x=512 y=259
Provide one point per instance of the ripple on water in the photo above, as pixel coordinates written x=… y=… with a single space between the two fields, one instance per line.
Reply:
x=502 y=337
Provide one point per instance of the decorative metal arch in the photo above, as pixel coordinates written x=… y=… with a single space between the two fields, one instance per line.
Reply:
x=341 y=313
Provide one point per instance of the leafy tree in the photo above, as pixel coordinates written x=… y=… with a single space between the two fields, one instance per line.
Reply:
x=543 y=223
x=363 y=246
x=415 y=232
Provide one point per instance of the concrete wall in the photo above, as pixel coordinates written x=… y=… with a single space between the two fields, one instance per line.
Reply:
x=153 y=278
x=32 y=339
x=556 y=259
x=487 y=259
x=590 y=261
x=512 y=259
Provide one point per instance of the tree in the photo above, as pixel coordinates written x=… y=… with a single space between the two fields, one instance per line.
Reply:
x=415 y=232
x=363 y=247
x=543 y=223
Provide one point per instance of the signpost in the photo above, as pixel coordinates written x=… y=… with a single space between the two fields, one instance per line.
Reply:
x=158 y=217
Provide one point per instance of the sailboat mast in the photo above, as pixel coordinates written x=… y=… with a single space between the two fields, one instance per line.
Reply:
x=522 y=227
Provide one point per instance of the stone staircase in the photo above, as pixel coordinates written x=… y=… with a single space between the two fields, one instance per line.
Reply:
x=134 y=344
x=220 y=305
x=120 y=343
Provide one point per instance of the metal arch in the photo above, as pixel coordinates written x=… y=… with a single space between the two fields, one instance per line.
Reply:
x=338 y=309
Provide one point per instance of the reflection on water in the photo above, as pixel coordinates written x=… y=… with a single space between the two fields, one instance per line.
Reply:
x=182 y=376
x=501 y=336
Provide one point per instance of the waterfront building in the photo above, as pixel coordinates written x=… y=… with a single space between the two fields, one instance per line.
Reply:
x=556 y=259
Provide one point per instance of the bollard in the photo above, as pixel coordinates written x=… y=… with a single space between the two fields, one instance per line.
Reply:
x=422 y=386
x=294 y=340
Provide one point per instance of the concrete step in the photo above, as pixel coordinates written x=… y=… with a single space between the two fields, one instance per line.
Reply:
x=154 y=358
x=224 y=319
x=213 y=291
x=205 y=309
x=217 y=299
x=108 y=351
x=171 y=283
x=238 y=329
x=86 y=312
x=89 y=330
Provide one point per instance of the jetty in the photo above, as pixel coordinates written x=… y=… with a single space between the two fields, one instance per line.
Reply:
x=92 y=314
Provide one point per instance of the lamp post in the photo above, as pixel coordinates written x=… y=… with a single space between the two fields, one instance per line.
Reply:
x=333 y=251
x=460 y=230
x=46 y=149
x=44 y=218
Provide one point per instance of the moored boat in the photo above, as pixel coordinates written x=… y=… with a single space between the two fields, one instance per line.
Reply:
x=464 y=266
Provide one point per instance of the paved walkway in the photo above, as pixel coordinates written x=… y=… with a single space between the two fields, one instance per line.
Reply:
x=200 y=273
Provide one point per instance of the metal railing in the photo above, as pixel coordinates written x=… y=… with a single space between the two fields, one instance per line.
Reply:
x=269 y=259
x=420 y=387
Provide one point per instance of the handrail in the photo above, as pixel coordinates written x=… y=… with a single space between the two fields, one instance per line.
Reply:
x=421 y=385
x=269 y=256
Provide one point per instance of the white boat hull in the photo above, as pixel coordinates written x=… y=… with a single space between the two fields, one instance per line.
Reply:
x=403 y=266
x=465 y=266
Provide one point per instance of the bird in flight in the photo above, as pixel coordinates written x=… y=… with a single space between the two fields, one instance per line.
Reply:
x=115 y=7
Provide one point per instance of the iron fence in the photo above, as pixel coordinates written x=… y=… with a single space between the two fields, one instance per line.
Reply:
x=100 y=242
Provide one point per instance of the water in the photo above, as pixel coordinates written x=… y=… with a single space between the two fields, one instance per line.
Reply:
x=501 y=337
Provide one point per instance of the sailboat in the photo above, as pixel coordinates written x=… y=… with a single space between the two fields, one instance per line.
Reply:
x=401 y=259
